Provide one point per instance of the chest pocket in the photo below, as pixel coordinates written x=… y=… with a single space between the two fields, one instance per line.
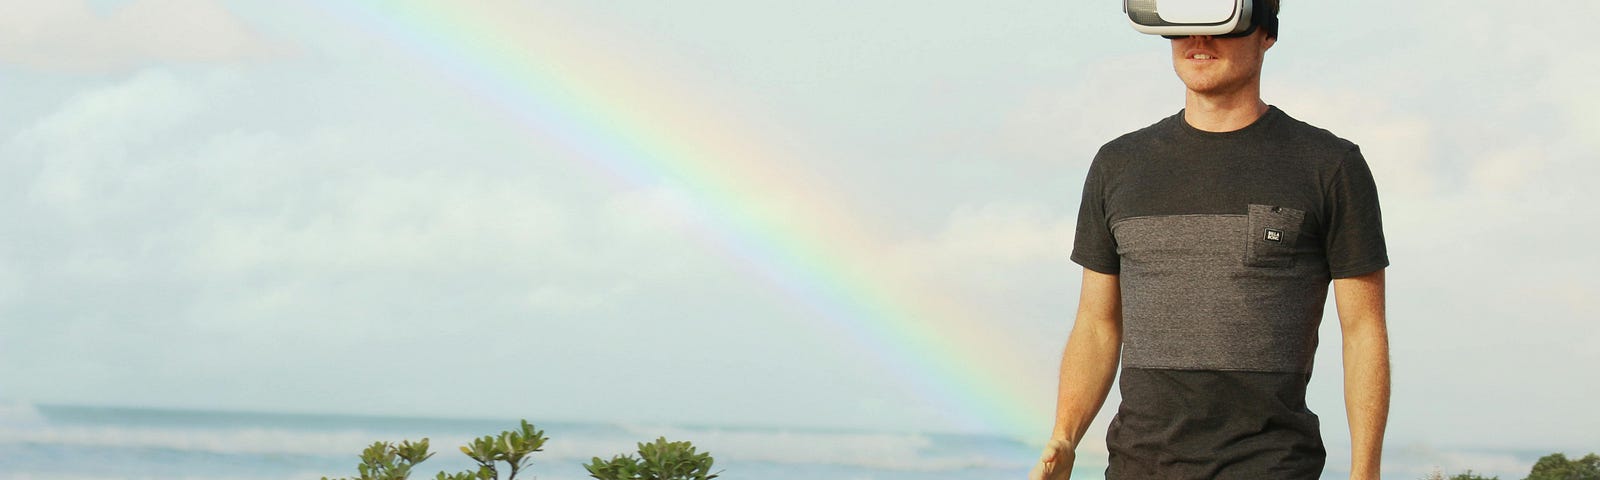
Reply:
x=1274 y=230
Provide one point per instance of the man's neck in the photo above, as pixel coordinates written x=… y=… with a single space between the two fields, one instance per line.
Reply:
x=1223 y=113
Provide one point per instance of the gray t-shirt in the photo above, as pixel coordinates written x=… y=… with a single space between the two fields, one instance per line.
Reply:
x=1224 y=244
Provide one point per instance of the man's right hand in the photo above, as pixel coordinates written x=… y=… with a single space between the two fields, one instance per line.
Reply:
x=1056 y=462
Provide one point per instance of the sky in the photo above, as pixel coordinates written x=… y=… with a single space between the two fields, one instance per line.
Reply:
x=828 y=214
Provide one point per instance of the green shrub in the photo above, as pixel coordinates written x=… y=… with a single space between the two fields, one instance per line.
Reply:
x=659 y=460
x=386 y=461
x=512 y=447
x=1556 y=466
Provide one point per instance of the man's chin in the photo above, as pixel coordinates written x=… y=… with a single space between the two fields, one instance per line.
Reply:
x=1211 y=87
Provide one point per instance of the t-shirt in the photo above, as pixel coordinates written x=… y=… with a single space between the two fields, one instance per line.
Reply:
x=1224 y=244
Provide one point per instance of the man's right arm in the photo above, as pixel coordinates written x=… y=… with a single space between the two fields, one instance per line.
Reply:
x=1088 y=367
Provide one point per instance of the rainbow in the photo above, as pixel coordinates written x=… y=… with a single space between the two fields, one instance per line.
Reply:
x=558 y=84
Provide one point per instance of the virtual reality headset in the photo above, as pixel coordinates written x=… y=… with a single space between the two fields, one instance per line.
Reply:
x=1199 y=17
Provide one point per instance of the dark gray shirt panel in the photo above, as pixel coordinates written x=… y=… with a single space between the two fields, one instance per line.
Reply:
x=1354 y=239
x=1232 y=426
x=1093 y=246
x=1171 y=168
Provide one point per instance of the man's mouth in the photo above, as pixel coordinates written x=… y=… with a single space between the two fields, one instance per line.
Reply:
x=1201 y=56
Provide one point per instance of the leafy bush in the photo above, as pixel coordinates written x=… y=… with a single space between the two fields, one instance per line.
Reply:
x=512 y=447
x=386 y=461
x=1556 y=466
x=659 y=460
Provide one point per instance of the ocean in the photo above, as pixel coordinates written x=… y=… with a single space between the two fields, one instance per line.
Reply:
x=55 y=442
x=52 y=442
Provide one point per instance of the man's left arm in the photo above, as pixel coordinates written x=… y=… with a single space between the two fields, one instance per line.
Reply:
x=1366 y=369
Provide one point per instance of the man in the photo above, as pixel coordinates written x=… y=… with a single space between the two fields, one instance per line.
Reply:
x=1208 y=241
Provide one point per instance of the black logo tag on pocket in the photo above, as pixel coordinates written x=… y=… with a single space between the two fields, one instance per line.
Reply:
x=1274 y=235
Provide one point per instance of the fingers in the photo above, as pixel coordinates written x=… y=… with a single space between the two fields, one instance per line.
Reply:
x=1042 y=471
x=1045 y=469
x=1055 y=463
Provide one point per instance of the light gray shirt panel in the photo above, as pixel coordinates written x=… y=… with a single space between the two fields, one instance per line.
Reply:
x=1220 y=292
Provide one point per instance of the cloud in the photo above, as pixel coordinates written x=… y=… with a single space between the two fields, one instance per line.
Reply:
x=87 y=140
x=146 y=181
x=1507 y=169
x=73 y=36
x=134 y=110
x=1397 y=144
x=156 y=210
x=1067 y=120
x=997 y=233
x=1005 y=265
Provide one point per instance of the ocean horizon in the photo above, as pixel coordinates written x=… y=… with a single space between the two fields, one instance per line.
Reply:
x=66 y=442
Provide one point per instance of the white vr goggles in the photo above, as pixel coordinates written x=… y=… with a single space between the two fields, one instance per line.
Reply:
x=1198 y=17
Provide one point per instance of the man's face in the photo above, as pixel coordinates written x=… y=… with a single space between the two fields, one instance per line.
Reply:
x=1211 y=66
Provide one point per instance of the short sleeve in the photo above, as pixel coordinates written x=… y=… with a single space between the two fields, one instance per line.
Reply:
x=1354 y=240
x=1093 y=247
